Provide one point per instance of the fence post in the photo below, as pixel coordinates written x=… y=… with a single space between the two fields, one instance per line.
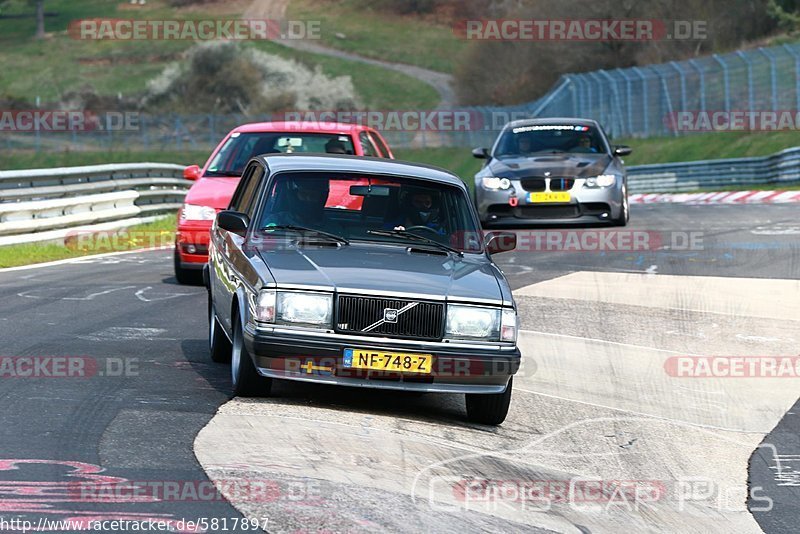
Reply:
x=682 y=78
x=726 y=81
x=701 y=74
x=628 y=100
x=792 y=52
x=773 y=74
x=750 y=99
x=617 y=125
x=641 y=75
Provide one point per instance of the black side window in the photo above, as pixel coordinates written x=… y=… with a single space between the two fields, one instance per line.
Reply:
x=250 y=196
x=244 y=192
x=366 y=144
x=380 y=144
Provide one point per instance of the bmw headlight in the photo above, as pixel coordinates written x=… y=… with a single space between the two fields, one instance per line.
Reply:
x=493 y=183
x=192 y=212
x=294 y=308
x=604 y=180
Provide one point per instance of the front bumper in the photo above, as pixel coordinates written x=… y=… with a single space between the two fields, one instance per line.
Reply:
x=195 y=234
x=294 y=356
x=587 y=206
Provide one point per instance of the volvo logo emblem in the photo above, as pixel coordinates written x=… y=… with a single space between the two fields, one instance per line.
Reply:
x=390 y=315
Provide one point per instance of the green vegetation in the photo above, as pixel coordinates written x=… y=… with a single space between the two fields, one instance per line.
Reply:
x=381 y=35
x=379 y=88
x=708 y=146
x=12 y=160
x=60 y=64
x=159 y=233
x=456 y=160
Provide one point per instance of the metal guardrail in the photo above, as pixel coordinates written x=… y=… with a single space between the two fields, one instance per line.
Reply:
x=778 y=169
x=49 y=204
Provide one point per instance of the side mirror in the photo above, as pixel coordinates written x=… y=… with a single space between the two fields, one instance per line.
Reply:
x=622 y=150
x=497 y=242
x=481 y=153
x=233 y=222
x=192 y=172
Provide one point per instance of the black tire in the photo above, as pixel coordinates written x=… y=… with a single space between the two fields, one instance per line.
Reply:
x=246 y=380
x=489 y=409
x=625 y=214
x=186 y=277
x=219 y=346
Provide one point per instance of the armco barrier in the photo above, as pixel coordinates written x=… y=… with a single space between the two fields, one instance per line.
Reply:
x=48 y=204
x=778 y=170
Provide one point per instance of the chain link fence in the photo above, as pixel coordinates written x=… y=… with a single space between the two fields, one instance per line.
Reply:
x=635 y=102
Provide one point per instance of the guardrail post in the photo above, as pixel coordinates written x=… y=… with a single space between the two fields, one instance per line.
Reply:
x=725 y=80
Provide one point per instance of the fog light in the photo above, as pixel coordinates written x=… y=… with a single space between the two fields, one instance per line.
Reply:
x=191 y=249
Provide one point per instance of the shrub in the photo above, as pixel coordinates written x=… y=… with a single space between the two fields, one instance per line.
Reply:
x=226 y=77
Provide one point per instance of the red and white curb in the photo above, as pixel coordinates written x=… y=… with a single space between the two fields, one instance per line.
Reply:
x=726 y=197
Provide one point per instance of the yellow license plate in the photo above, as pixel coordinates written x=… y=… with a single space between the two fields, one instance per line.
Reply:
x=560 y=196
x=376 y=360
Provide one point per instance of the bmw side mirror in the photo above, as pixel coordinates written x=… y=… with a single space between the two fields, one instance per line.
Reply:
x=497 y=242
x=233 y=222
x=481 y=153
x=192 y=172
x=622 y=150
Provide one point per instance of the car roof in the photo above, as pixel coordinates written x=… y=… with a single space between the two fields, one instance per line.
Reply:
x=357 y=164
x=300 y=127
x=553 y=120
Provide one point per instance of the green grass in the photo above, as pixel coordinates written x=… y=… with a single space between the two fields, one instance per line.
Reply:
x=53 y=67
x=160 y=232
x=456 y=160
x=379 y=35
x=379 y=88
x=12 y=160
x=708 y=146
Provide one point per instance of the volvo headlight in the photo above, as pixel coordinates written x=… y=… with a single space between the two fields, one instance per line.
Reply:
x=493 y=183
x=309 y=309
x=472 y=322
x=604 y=180
x=192 y=212
x=294 y=308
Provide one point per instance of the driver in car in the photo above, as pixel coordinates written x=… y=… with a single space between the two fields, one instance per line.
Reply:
x=584 y=145
x=420 y=209
x=299 y=203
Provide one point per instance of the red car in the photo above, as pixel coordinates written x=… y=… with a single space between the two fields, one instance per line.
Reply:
x=217 y=181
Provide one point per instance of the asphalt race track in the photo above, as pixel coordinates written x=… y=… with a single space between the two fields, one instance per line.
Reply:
x=595 y=401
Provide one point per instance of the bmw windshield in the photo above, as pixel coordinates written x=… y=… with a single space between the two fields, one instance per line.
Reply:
x=550 y=138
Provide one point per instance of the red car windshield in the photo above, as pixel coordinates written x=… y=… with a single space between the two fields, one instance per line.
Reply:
x=241 y=147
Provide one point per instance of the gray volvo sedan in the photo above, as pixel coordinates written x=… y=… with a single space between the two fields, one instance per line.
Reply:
x=361 y=272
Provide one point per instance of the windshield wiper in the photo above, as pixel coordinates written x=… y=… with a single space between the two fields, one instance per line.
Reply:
x=304 y=230
x=415 y=237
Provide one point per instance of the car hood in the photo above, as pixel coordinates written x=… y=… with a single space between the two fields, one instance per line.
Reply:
x=382 y=268
x=212 y=192
x=572 y=165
